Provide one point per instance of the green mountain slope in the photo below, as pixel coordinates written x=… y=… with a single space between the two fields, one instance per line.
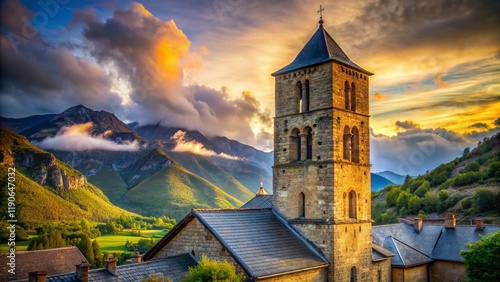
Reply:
x=204 y=168
x=468 y=186
x=175 y=191
x=48 y=189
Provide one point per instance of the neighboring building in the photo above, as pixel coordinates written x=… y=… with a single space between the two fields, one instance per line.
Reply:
x=52 y=261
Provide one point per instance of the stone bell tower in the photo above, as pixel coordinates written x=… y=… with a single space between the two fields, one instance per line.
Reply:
x=321 y=174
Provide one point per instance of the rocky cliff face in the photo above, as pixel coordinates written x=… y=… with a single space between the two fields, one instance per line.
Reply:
x=42 y=166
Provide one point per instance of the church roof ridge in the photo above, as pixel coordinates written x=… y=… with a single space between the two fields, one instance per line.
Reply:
x=320 y=48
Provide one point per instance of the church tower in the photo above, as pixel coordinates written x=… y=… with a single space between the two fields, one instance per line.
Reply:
x=321 y=173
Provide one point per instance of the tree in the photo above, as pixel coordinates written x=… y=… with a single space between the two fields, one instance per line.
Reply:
x=85 y=246
x=423 y=188
x=212 y=270
x=481 y=259
x=414 y=204
x=98 y=258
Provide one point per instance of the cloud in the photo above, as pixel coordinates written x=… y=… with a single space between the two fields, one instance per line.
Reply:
x=440 y=82
x=182 y=144
x=407 y=124
x=480 y=125
x=378 y=96
x=155 y=56
x=417 y=150
x=77 y=138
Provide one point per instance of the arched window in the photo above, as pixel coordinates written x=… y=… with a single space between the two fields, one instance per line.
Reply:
x=299 y=96
x=294 y=145
x=302 y=205
x=309 y=142
x=355 y=145
x=346 y=93
x=352 y=204
x=307 y=97
x=347 y=143
x=353 y=97
x=353 y=274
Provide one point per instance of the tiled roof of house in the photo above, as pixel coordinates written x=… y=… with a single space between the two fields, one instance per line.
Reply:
x=405 y=256
x=259 y=202
x=54 y=261
x=423 y=241
x=261 y=243
x=319 y=49
x=259 y=240
x=453 y=240
x=379 y=253
x=431 y=243
x=174 y=268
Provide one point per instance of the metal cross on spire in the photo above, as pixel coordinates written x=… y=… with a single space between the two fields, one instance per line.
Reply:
x=321 y=14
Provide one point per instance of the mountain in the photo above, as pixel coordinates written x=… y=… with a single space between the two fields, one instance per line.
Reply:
x=48 y=189
x=103 y=123
x=21 y=124
x=468 y=186
x=379 y=182
x=391 y=176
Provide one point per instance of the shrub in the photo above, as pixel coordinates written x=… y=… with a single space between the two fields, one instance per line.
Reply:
x=212 y=270
x=481 y=260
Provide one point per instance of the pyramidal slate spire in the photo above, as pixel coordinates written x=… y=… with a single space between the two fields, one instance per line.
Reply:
x=319 y=49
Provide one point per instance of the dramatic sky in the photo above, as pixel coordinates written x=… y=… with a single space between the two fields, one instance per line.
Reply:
x=206 y=65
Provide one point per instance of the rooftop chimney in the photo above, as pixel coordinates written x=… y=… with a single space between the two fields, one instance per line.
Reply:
x=450 y=221
x=111 y=266
x=418 y=224
x=82 y=271
x=37 y=276
x=479 y=224
x=137 y=258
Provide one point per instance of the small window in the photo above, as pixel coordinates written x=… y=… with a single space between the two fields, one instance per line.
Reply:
x=352 y=204
x=294 y=145
x=309 y=143
x=299 y=96
x=353 y=274
x=346 y=95
x=347 y=143
x=307 y=97
x=353 y=97
x=355 y=145
x=302 y=205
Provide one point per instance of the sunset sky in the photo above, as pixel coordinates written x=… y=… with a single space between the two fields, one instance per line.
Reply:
x=206 y=65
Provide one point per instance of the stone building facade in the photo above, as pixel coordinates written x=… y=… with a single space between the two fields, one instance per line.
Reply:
x=321 y=176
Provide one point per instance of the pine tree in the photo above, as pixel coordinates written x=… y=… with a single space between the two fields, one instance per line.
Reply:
x=85 y=246
x=98 y=259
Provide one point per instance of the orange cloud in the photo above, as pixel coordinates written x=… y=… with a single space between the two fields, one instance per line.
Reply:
x=378 y=96
x=194 y=147
x=440 y=82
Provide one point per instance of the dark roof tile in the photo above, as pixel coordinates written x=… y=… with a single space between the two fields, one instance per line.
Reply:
x=319 y=49
x=259 y=202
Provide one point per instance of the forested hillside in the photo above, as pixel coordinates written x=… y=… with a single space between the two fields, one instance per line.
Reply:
x=468 y=186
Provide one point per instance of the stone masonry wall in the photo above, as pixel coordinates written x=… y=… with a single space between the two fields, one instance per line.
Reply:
x=195 y=237
x=315 y=275
x=447 y=271
x=381 y=271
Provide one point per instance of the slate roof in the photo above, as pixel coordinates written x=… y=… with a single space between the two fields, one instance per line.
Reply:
x=431 y=243
x=259 y=202
x=259 y=241
x=54 y=261
x=174 y=268
x=319 y=49
x=405 y=256
x=379 y=253
x=452 y=241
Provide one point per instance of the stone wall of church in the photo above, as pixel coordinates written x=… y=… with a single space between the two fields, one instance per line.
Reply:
x=381 y=271
x=315 y=275
x=195 y=237
x=342 y=74
x=447 y=271
x=413 y=274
